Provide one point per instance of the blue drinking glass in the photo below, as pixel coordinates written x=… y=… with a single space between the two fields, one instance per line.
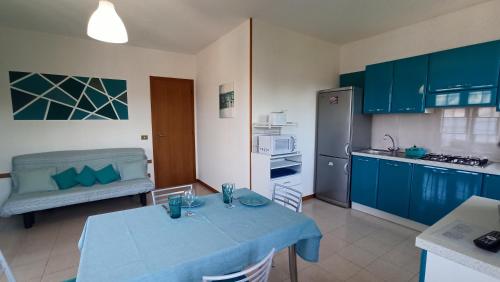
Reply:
x=227 y=194
x=175 y=204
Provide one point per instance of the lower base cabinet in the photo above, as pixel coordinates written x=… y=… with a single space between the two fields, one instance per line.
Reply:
x=394 y=187
x=364 y=180
x=491 y=186
x=436 y=191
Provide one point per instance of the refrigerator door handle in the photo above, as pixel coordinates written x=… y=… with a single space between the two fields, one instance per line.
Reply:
x=346 y=149
x=345 y=169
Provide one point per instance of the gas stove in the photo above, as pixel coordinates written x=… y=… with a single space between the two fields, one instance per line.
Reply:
x=471 y=161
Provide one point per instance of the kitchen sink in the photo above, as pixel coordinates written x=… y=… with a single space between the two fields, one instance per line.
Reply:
x=383 y=152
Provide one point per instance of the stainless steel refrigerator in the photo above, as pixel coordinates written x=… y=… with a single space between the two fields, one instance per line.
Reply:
x=341 y=127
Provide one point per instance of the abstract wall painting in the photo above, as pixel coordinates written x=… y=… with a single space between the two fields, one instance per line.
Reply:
x=41 y=96
x=226 y=100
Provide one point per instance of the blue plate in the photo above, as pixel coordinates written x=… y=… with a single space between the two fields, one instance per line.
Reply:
x=253 y=200
x=196 y=203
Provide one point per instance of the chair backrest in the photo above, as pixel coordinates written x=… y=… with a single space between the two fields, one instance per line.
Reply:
x=256 y=273
x=160 y=196
x=5 y=270
x=287 y=197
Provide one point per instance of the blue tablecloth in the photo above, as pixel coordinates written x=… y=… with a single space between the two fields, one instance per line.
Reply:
x=145 y=244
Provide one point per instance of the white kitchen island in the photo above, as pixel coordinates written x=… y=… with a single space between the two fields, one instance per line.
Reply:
x=451 y=254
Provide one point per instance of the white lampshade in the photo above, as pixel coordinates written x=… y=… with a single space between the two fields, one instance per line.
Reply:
x=105 y=24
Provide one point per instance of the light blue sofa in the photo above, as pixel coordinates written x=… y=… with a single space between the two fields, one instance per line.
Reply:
x=28 y=203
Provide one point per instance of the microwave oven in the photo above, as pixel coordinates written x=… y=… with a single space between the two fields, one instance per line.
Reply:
x=277 y=144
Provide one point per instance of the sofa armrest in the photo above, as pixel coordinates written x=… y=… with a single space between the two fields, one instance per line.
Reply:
x=5 y=190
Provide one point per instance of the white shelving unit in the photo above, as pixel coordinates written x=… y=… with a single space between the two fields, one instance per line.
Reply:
x=282 y=169
x=268 y=170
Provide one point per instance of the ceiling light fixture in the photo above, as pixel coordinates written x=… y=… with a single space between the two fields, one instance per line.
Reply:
x=105 y=24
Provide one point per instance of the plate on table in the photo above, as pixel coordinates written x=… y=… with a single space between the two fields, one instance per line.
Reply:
x=196 y=203
x=253 y=200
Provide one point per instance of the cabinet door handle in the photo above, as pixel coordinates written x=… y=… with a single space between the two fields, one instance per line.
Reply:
x=345 y=169
x=392 y=164
x=467 y=172
x=346 y=149
x=330 y=163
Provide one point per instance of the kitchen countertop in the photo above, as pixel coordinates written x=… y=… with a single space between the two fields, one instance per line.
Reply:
x=476 y=216
x=490 y=168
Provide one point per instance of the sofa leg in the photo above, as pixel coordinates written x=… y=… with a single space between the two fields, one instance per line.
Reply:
x=143 y=198
x=29 y=219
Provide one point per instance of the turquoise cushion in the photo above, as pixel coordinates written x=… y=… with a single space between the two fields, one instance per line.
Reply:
x=107 y=175
x=132 y=170
x=86 y=177
x=66 y=179
x=34 y=180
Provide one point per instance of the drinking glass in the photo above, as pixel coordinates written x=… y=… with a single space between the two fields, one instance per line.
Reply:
x=189 y=196
x=175 y=204
x=227 y=194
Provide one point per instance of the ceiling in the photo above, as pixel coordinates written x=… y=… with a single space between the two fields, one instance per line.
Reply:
x=189 y=25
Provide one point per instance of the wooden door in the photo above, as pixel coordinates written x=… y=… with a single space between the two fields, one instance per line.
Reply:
x=172 y=112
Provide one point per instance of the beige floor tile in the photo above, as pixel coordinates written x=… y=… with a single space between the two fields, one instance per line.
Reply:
x=33 y=271
x=357 y=255
x=62 y=262
x=60 y=275
x=388 y=271
x=31 y=254
x=373 y=246
x=347 y=233
x=364 y=276
x=65 y=244
x=278 y=275
x=330 y=245
x=316 y=274
x=339 y=267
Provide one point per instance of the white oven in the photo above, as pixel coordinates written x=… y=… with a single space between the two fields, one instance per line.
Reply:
x=277 y=144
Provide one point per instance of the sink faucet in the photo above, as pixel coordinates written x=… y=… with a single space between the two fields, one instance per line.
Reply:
x=393 y=148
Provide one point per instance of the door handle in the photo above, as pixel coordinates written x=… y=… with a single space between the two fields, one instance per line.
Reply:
x=162 y=135
x=345 y=169
x=346 y=149
x=330 y=163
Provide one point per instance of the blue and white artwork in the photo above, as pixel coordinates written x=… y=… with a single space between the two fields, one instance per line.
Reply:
x=41 y=96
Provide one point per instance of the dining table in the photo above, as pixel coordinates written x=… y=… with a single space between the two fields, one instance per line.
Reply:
x=146 y=244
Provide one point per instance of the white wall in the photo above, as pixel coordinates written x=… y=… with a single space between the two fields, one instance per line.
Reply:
x=39 y=52
x=223 y=144
x=472 y=25
x=288 y=69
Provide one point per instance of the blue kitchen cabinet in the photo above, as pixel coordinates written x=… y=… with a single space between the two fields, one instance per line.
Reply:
x=410 y=83
x=378 y=88
x=470 y=67
x=364 y=181
x=491 y=186
x=436 y=191
x=394 y=187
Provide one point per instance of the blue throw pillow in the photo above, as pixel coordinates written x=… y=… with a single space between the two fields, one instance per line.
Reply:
x=66 y=179
x=107 y=175
x=86 y=177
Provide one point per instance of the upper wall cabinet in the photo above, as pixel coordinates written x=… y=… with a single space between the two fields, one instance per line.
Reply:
x=466 y=76
x=410 y=81
x=378 y=88
x=471 y=67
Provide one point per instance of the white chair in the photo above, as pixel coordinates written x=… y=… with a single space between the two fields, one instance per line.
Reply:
x=160 y=196
x=5 y=269
x=287 y=197
x=256 y=273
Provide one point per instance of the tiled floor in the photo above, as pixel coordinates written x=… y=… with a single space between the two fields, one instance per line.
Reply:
x=355 y=246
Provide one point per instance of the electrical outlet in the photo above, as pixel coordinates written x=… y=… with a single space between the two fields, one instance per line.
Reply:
x=144 y=137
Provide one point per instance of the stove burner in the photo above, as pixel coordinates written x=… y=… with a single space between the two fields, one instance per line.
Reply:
x=471 y=161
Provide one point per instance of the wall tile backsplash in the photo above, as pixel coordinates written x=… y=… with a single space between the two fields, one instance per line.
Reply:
x=461 y=131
